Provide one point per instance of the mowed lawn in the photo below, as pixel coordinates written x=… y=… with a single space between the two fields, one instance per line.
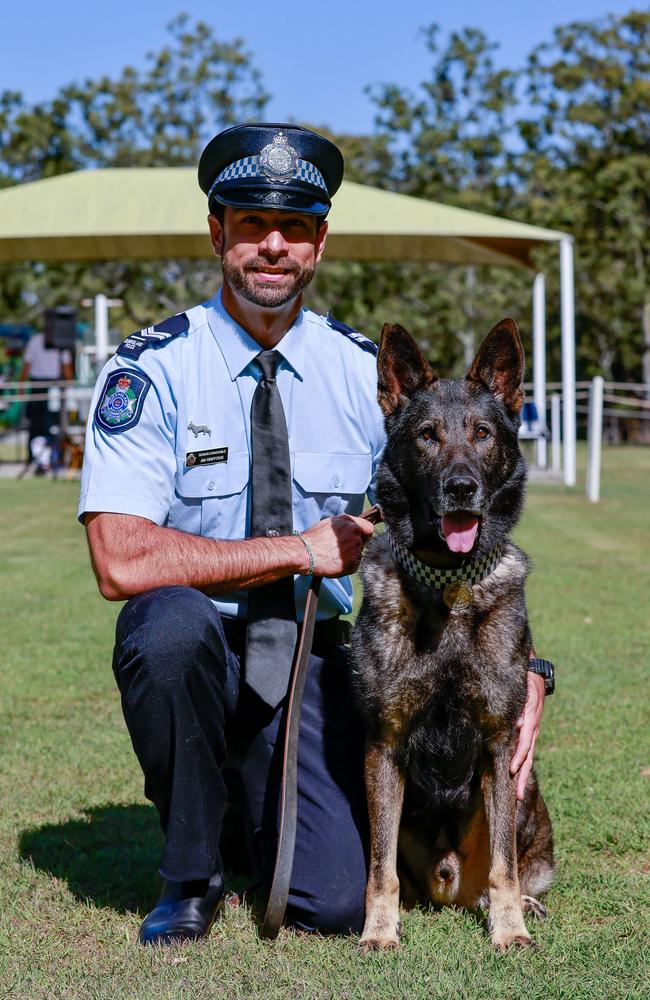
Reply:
x=79 y=844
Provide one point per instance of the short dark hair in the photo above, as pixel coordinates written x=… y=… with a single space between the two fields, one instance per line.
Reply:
x=219 y=211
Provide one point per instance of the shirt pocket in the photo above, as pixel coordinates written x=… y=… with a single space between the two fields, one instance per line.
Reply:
x=213 y=498
x=329 y=484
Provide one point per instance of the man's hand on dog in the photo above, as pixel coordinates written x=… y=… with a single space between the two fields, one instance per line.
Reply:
x=528 y=725
x=338 y=543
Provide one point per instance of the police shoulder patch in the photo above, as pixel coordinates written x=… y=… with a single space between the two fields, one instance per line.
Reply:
x=120 y=404
x=153 y=336
x=354 y=335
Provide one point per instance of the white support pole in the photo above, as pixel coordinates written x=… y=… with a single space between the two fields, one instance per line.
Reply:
x=101 y=329
x=539 y=364
x=567 y=302
x=595 y=438
x=556 y=438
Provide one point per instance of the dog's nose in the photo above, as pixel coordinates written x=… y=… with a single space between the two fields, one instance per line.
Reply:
x=461 y=487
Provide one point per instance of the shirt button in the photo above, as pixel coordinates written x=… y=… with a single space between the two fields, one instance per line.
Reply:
x=211 y=484
x=336 y=481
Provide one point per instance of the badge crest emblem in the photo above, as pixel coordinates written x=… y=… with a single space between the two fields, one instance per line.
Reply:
x=278 y=159
x=120 y=403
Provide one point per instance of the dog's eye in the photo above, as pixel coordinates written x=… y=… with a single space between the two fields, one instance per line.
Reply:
x=428 y=434
x=482 y=432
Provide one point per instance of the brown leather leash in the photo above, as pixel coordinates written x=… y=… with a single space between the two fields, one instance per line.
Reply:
x=280 y=885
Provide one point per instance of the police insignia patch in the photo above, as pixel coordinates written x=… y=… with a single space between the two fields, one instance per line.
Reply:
x=121 y=401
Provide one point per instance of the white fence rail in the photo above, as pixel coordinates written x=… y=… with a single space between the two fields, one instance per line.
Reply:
x=597 y=399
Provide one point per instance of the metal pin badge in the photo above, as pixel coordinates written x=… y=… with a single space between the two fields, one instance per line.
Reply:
x=458 y=596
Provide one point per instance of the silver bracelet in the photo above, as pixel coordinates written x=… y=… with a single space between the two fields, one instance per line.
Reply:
x=310 y=553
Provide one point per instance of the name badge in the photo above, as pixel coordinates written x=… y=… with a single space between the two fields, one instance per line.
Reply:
x=208 y=457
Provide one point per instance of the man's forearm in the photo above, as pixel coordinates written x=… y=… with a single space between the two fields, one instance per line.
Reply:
x=131 y=555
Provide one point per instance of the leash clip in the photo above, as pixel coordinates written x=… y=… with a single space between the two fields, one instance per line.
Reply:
x=374 y=514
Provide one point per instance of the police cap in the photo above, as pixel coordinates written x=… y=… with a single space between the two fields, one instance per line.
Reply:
x=271 y=165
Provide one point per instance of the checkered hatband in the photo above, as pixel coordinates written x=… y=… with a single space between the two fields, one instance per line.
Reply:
x=475 y=570
x=251 y=166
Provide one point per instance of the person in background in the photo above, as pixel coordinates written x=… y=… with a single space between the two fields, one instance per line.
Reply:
x=42 y=364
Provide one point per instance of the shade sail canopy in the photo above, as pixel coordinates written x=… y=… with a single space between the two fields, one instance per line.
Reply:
x=160 y=212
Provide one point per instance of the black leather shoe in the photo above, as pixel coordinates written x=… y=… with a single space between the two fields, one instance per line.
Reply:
x=185 y=911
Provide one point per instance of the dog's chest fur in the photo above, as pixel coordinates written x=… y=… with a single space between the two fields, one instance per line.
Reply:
x=471 y=663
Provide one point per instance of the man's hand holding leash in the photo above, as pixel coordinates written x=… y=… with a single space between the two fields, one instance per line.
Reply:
x=337 y=544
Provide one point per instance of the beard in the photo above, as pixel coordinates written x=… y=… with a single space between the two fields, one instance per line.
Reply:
x=242 y=279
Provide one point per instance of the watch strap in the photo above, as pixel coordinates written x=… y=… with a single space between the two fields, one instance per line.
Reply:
x=546 y=670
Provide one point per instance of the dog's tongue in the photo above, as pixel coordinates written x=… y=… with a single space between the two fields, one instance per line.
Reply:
x=460 y=530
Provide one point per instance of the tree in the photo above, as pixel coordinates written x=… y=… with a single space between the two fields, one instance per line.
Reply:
x=562 y=143
x=586 y=169
x=449 y=142
x=160 y=116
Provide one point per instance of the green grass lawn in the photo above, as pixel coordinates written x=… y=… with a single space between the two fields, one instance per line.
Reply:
x=79 y=844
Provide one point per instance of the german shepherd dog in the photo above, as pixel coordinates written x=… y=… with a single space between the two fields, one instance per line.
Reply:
x=441 y=646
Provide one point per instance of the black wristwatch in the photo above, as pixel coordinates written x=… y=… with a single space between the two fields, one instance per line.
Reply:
x=546 y=670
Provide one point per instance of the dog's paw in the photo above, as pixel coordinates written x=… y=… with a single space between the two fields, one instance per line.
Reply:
x=368 y=944
x=503 y=942
x=533 y=906
x=376 y=939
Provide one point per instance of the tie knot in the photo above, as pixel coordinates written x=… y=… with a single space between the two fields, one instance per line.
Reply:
x=268 y=362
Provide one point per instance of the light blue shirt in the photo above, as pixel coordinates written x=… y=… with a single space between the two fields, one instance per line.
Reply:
x=185 y=399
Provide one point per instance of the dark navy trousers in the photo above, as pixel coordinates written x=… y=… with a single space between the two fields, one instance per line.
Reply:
x=193 y=724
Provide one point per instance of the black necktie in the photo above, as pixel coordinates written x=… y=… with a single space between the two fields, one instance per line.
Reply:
x=272 y=631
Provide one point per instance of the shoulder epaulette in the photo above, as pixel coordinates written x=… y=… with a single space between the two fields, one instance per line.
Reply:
x=152 y=336
x=351 y=334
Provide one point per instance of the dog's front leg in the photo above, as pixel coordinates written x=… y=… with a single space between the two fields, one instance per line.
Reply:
x=506 y=920
x=385 y=791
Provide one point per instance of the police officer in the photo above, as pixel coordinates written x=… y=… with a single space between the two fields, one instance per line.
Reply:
x=227 y=461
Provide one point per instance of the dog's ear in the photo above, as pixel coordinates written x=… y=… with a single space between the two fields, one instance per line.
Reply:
x=402 y=368
x=499 y=365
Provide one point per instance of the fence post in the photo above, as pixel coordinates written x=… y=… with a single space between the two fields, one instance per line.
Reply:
x=556 y=433
x=539 y=365
x=101 y=330
x=567 y=310
x=594 y=438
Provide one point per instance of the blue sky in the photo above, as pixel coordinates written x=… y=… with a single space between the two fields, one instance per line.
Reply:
x=315 y=57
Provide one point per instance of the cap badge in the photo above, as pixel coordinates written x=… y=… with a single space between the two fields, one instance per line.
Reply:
x=279 y=160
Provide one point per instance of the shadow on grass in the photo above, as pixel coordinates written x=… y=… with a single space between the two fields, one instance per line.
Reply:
x=110 y=858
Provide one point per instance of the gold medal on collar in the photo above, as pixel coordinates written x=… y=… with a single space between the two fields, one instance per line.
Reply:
x=458 y=596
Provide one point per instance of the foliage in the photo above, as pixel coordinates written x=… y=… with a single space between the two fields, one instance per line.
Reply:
x=560 y=142
x=448 y=142
x=162 y=115
x=586 y=169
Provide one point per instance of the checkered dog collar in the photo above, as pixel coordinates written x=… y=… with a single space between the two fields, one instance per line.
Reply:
x=473 y=572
